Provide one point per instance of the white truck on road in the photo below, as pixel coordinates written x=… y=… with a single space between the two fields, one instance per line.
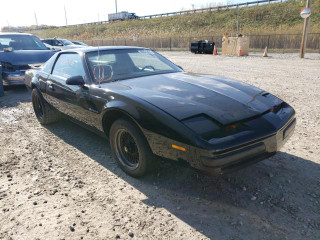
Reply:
x=121 y=16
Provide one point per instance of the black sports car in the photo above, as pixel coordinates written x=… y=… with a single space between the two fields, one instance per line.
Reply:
x=147 y=106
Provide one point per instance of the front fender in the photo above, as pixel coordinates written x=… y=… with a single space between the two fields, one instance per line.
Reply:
x=160 y=129
x=151 y=120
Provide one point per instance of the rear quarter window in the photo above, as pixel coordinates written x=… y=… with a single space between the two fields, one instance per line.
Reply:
x=69 y=65
x=47 y=67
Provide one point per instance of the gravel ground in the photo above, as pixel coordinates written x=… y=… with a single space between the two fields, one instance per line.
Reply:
x=60 y=181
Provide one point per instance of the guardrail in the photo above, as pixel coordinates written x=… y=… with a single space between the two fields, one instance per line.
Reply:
x=211 y=9
x=199 y=10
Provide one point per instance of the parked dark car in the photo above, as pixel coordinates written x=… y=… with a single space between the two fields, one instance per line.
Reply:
x=147 y=106
x=80 y=43
x=61 y=43
x=56 y=49
x=202 y=46
x=18 y=53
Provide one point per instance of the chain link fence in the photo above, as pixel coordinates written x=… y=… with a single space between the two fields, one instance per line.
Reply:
x=275 y=42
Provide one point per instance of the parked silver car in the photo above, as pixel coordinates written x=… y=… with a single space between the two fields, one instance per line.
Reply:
x=61 y=43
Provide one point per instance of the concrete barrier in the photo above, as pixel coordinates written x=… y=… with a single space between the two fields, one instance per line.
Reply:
x=1 y=83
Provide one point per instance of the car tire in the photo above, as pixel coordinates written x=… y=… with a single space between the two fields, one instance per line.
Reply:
x=44 y=112
x=130 y=149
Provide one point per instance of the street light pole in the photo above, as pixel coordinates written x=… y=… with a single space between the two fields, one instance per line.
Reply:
x=238 y=12
x=305 y=32
x=35 y=16
x=65 y=15
x=116 y=6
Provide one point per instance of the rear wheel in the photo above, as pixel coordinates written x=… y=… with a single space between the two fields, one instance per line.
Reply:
x=45 y=113
x=130 y=148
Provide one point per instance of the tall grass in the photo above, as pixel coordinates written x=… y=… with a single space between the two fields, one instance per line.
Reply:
x=264 y=19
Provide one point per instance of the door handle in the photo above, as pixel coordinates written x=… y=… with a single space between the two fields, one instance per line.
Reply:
x=49 y=84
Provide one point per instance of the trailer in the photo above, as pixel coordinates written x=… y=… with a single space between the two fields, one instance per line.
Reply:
x=124 y=15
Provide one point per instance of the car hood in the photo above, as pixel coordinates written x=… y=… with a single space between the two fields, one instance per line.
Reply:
x=184 y=95
x=25 y=57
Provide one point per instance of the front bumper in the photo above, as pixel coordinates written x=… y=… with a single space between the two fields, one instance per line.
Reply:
x=216 y=162
x=226 y=161
x=11 y=78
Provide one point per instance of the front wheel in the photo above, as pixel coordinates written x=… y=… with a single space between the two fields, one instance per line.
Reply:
x=45 y=113
x=130 y=148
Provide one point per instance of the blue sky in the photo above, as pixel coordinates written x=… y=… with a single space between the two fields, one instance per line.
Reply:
x=21 y=12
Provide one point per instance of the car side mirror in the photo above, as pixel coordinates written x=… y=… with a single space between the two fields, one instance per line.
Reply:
x=75 y=80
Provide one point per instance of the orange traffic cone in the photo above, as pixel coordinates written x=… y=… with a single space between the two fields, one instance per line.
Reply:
x=214 y=50
x=265 y=54
x=240 y=51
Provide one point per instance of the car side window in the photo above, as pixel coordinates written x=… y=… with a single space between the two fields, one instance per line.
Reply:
x=54 y=42
x=69 y=65
x=47 y=67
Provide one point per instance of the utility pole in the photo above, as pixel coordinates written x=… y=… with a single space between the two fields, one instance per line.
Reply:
x=305 y=31
x=35 y=16
x=65 y=15
x=238 y=13
x=116 y=6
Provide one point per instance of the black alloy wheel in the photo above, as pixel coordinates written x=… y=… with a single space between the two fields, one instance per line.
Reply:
x=37 y=106
x=45 y=113
x=126 y=149
x=130 y=148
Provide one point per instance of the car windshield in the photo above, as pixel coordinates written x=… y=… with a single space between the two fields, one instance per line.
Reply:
x=114 y=65
x=21 y=42
x=66 y=42
x=79 y=43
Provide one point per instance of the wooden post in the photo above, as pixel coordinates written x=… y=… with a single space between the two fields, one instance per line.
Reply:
x=284 y=43
x=305 y=32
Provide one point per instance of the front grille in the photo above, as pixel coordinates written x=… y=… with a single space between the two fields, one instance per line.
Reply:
x=10 y=67
x=22 y=67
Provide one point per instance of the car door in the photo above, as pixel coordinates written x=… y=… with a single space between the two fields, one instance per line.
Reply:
x=69 y=99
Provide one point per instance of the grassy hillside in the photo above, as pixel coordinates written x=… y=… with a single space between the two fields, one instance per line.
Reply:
x=265 y=19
